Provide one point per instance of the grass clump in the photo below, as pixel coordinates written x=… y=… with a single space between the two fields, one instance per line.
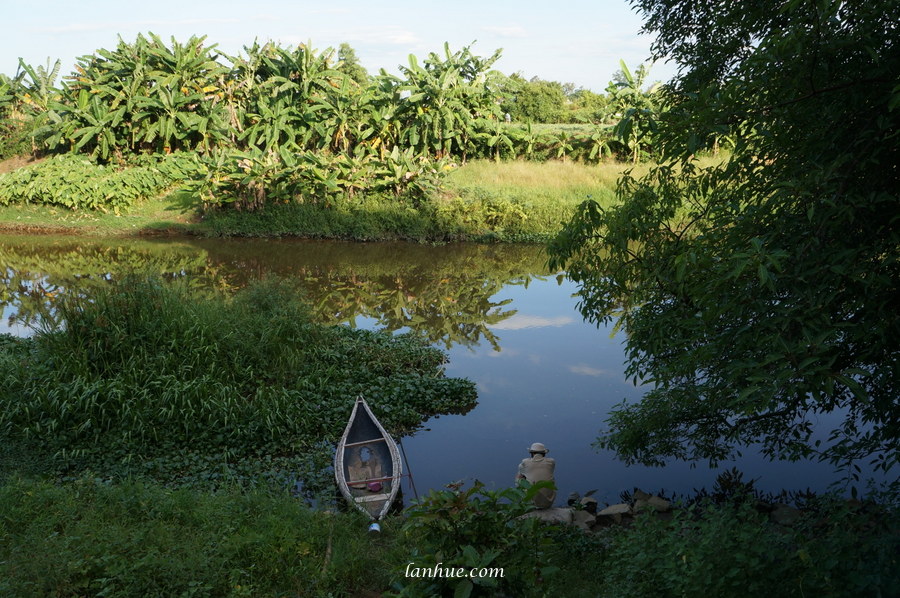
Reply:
x=142 y=378
x=136 y=540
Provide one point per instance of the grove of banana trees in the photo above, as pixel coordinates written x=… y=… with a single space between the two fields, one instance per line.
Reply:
x=274 y=121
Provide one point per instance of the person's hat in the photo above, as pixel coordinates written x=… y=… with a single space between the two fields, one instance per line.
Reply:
x=537 y=447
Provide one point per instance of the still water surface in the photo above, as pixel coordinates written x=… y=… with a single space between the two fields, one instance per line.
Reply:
x=543 y=373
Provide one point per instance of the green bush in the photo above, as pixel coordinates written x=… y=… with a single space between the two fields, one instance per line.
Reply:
x=76 y=182
x=731 y=549
x=15 y=137
x=476 y=528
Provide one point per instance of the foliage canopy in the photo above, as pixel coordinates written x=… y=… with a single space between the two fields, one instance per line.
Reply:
x=761 y=294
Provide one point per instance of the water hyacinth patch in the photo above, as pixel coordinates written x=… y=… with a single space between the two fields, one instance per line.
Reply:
x=141 y=378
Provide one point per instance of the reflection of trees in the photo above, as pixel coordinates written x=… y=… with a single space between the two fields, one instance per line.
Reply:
x=451 y=311
x=36 y=272
x=445 y=294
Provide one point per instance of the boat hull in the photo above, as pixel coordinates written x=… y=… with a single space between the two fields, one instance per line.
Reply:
x=367 y=463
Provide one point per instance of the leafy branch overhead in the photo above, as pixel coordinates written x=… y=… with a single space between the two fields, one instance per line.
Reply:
x=759 y=295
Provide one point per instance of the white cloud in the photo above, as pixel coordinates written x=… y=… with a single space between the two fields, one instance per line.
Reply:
x=586 y=370
x=520 y=321
x=506 y=31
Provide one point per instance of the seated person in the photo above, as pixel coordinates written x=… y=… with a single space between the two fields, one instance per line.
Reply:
x=538 y=468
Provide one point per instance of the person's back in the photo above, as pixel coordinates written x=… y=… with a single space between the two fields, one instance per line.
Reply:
x=539 y=468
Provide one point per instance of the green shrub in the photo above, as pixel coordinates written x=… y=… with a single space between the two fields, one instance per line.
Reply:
x=76 y=182
x=476 y=528
x=732 y=550
x=16 y=137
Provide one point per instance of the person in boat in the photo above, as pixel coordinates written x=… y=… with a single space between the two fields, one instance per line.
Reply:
x=539 y=468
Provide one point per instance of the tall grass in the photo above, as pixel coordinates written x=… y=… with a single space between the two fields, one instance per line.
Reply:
x=138 y=540
x=518 y=200
x=563 y=177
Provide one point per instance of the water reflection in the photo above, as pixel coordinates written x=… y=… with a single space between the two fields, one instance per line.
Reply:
x=444 y=294
x=543 y=374
x=36 y=272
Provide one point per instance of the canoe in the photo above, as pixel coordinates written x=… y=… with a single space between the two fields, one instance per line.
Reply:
x=367 y=463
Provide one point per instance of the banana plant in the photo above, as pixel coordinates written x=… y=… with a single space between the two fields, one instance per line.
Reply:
x=10 y=93
x=564 y=145
x=446 y=96
x=273 y=123
x=163 y=98
x=283 y=96
x=636 y=108
x=336 y=112
x=90 y=125
x=527 y=139
x=496 y=136
x=599 y=142
x=182 y=109
x=41 y=88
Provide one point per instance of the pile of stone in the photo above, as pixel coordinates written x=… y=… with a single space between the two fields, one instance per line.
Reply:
x=583 y=512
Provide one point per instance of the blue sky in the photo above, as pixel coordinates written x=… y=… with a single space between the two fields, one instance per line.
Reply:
x=570 y=41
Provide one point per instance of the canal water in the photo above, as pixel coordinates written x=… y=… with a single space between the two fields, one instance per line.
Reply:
x=543 y=374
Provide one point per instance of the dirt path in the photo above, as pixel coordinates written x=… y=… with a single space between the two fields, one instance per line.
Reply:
x=15 y=162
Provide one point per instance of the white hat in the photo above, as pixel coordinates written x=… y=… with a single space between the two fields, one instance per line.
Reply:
x=537 y=447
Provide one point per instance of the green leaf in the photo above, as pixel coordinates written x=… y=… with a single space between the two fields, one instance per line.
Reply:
x=463 y=589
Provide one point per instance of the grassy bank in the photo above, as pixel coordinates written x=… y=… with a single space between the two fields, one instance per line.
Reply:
x=481 y=200
x=138 y=539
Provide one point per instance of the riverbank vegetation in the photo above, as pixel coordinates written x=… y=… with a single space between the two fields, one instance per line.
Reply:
x=480 y=200
x=302 y=135
x=136 y=539
x=142 y=379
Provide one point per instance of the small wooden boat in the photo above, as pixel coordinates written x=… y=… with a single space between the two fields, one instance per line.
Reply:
x=367 y=463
